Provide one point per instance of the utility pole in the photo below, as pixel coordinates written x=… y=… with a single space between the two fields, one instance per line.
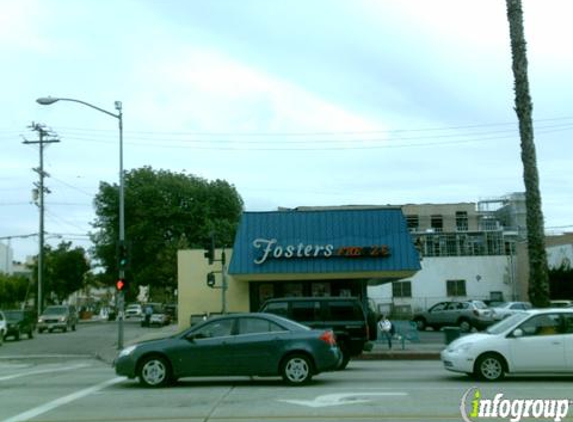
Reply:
x=44 y=137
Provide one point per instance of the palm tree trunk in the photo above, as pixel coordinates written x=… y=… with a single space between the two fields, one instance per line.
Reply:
x=538 y=269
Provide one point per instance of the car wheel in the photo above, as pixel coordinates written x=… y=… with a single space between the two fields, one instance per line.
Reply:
x=297 y=369
x=465 y=325
x=490 y=367
x=155 y=372
x=420 y=324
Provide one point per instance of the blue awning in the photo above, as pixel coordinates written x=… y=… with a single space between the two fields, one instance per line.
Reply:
x=355 y=243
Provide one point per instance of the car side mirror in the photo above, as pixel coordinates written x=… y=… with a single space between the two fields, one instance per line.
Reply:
x=518 y=332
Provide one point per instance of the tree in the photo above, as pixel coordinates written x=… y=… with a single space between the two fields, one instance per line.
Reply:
x=561 y=281
x=164 y=212
x=538 y=278
x=13 y=290
x=64 y=271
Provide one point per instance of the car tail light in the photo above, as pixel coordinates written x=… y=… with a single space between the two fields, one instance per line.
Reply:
x=328 y=337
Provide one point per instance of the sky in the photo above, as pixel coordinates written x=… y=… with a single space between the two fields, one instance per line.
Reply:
x=295 y=103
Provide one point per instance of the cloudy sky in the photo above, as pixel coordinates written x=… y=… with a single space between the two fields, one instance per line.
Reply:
x=322 y=102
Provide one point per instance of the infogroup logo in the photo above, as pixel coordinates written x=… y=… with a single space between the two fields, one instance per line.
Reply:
x=474 y=407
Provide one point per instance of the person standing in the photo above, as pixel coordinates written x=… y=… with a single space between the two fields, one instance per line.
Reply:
x=387 y=328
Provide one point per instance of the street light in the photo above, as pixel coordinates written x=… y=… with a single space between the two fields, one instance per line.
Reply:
x=119 y=117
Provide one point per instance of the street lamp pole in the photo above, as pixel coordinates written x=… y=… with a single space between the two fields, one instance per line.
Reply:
x=119 y=117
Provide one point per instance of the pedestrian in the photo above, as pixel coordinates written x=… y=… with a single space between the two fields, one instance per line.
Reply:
x=147 y=316
x=387 y=328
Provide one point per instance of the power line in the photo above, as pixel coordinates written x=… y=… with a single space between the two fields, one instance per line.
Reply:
x=321 y=133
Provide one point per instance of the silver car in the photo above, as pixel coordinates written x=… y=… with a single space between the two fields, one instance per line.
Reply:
x=466 y=315
x=506 y=309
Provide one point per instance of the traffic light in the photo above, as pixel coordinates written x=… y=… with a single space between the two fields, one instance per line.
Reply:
x=210 y=250
x=121 y=284
x=122 y=256
x=211 y=279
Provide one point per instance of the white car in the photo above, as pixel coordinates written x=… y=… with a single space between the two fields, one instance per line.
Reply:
x=534 y=341
x=133 y=311
x=160 y=319
x=505 y=309
x=3 y=327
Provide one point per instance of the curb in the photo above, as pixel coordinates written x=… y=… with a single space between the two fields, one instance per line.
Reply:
x=399 y=356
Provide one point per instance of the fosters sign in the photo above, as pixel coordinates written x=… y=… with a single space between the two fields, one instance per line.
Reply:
x=272 y=249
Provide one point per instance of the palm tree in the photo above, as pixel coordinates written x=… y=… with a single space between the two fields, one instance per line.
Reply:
x=538 y=268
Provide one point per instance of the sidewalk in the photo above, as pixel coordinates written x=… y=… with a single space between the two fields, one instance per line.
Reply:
x=411 y=351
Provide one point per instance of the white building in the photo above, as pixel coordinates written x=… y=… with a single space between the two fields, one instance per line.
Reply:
x=468 y=251
x=6 y=259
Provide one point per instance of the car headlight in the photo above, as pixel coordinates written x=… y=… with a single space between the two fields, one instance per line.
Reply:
x=462 y=348
x=127 y=351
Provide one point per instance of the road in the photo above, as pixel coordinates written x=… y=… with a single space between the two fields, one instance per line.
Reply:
x=45 y=383
x=91 y=339
x=80 y=390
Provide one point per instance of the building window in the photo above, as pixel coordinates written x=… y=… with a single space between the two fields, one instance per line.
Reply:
x=462 y=221
x=413 y=222
x=437 y=223
x=320 y=289
x=402 y=289
x=292 y=290
x=456 y=287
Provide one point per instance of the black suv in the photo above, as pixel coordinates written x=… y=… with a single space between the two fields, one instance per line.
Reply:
x=20 y=322
x=352 y=323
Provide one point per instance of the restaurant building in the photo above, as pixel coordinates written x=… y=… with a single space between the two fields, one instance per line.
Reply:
x=298 y=252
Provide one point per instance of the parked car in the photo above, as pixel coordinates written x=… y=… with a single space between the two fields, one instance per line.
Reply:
x=560 y=303
x=20 y=322
x=505 y=309
x=252 y=344
x=159 y=318
x=133 y=310
x=347 y=317
x=3 y=327
x=58 y=317
x=533 y=341
x=466 y=315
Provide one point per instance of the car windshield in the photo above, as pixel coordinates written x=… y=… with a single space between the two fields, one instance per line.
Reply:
x=55 y=310
x=507 y=323
x=13 y=314
x=479 y=305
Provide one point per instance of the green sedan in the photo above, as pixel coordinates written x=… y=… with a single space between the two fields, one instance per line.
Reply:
x=250 y=344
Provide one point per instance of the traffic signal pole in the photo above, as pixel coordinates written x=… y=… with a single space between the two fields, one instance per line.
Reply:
x=210 y=255
x=224 y=286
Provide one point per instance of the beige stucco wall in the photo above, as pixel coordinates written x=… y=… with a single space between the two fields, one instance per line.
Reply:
x=195 y=297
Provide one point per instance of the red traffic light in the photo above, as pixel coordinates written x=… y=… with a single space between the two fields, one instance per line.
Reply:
x=120 y=284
